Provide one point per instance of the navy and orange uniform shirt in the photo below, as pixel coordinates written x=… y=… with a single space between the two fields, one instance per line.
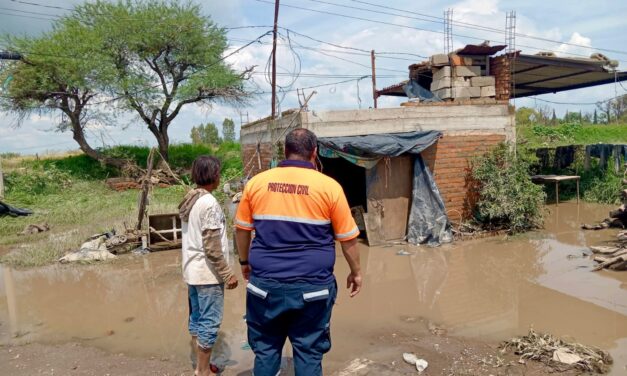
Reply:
x=297 y=214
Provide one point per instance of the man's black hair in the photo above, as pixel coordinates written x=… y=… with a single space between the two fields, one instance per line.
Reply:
x=300 y=142
x=206 y=170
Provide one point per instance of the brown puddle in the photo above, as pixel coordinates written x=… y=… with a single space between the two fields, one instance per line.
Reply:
x=488 y=289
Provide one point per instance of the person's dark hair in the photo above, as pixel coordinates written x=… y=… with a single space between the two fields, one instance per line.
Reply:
x=300 y=142
x=206 y=170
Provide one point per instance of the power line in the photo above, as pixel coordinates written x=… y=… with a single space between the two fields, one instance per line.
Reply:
x=483 y=28
x=400 y=25
x=31 y=17
x=40 y=5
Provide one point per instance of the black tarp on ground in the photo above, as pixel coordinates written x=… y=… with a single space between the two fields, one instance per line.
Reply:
x=6 y=209
x=428 y=222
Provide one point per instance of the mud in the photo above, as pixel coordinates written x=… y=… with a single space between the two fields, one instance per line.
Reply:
x=465 y=298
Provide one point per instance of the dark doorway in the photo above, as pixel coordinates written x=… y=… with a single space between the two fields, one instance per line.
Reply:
x=351 y=177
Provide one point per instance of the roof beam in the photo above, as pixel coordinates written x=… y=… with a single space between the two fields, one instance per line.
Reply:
x=522 y=84
x=592 y=65
x=536 y=91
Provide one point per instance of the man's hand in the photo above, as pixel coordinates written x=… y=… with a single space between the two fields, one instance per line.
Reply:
x=231 y=283
x=353 y=283
x=246 y=272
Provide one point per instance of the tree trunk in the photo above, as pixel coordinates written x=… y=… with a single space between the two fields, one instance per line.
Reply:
x=79 y=137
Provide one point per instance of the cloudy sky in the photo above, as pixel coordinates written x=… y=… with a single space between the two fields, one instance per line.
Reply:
x=324 y=47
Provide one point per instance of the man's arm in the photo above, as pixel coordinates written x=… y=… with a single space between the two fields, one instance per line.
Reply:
x=242 y=241
x=351 y=254
x=212 y=244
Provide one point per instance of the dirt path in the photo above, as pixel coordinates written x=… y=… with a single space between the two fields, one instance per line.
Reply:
x=77 y=359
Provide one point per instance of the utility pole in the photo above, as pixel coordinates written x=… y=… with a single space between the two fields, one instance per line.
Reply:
x=374 y=79
x=274 y=33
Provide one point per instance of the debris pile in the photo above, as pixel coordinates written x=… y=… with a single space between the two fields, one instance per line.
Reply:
x=105 y=246
x=159 y=178
x=558 y=354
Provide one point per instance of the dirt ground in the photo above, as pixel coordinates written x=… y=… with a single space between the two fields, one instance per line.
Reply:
x=446 y=356
x=451 y=306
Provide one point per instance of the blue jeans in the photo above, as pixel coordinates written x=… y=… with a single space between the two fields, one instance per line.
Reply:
x=299 y=311
x=206 y=304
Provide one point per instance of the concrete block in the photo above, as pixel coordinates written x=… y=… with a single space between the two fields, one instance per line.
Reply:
x=466 y=92
x=441 y=83
x=482 y=81
x=460 y=82
x=488 y=91
x=445 y=93
x=441 y=73
x=439 y=59
x=467 y=71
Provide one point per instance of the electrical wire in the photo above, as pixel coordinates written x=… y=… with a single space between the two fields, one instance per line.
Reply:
x=404 y=26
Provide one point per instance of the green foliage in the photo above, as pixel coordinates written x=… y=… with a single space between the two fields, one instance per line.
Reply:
x=507 y=197
x=228 y=130
x=9 y=155
x=37 y=181
x=603 y=188
x=206 y=134
x=571 y=134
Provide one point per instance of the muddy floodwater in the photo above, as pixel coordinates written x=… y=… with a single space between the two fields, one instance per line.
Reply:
x=485 y=289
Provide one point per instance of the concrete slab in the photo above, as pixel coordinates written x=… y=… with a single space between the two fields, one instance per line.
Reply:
x=444 y=93
x=439 y=59
x=488 y=91
x=467 y=71
x=441 y=83
x=442 y=73
x=466 y=92
x=482 y=81
x=460 y=82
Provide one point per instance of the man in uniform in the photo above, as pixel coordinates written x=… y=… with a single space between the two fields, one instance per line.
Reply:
x=297 y=213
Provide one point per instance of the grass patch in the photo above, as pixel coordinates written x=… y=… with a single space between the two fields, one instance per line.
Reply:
x=74 y=213
x=536 y=135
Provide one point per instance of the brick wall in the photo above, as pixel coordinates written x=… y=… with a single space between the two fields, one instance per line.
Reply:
x=449 y=161
x=499 y=68
x=252 y=161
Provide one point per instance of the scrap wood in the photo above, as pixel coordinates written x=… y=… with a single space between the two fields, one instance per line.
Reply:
x=618 y=262
x=557 y=353
x=604 y=249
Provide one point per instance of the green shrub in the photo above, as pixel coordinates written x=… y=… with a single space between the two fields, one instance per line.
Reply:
x=507 y=199
x=37 y=181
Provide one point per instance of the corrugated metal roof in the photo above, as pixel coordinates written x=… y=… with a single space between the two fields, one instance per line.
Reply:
x=534 y=75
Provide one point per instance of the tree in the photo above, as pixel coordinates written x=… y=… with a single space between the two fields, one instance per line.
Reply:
x=167 y=55
x=151 y=57
x=606 y=111
x=206 y=134
x=59 y=75
x=595 y=117
x=554 y=118
x=526 y=116
x=619 y=106
x=228 y=130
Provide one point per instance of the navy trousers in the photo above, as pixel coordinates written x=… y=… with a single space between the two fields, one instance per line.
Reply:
x=299 y=311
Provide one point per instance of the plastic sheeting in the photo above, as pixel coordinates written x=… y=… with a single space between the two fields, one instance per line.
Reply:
x=414 y=90
x=428 y=222
x=366 y=151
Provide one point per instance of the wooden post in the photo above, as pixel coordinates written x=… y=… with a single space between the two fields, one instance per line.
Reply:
x=145 y=188
x=374 y=79
x=577 y=190
x=274 y=32
x=557 y=193
x=1 y=181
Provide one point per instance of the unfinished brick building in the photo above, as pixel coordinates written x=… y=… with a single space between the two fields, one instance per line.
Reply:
x=472 y=113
